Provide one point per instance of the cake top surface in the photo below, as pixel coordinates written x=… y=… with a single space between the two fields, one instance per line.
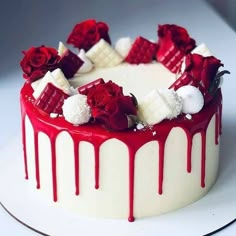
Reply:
x=131 y=83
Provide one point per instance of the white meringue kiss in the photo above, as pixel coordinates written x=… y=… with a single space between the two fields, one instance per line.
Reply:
x=193 y=100
x=123 y=46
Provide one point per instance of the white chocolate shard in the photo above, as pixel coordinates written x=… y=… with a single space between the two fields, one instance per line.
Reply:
x=55 y=77
x=174 y=101
x=123 y=46
x=103 y=55
x=159 y=105
x=153 y=108
x=193 y=100
x=87 y=65
x=202 y=50
x=61 y=48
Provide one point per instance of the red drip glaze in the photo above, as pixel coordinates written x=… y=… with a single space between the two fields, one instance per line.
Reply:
x=131 y=184
x=189 y=152
x=203 y=160
x=36 y=153
x=96 y=156
x=161 y=166
x=96 y=135
x=24 y=146
x=76 y=156
x=54 y=168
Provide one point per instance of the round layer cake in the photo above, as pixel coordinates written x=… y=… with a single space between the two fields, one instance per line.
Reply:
x=123 y=131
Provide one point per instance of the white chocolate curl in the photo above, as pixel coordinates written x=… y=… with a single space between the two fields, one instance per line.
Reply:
x=193 y=99
x=76 y=110
x=123 y=46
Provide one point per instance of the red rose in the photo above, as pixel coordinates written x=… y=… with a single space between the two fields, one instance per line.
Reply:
x=176 y=35
x=203 y=69
x=87 y=33
x=173 y=44
x=110 y=107
x=101 y=94
x=37 y=61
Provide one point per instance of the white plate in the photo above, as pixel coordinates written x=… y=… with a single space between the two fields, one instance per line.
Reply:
x=213 y=211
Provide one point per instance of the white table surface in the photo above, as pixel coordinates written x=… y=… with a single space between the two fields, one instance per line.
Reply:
x=32 y=23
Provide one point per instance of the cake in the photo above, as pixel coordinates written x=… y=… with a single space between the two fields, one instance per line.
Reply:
x=128 y=130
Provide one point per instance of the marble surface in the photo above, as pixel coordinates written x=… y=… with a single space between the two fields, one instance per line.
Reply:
x=32 y=23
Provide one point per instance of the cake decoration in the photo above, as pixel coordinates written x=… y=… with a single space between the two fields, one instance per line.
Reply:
x=76 y=109
x=175 y=49
x=174 y=43
x=55 y=77
x=103 y=55
x=123 y=46
x=98 y=111
x=88 y=33
x=87 y=65
x=85 y=88
x=159 y=105
x=142 y=51
x=51 y=99
x=38 y=61
x=61 y=48
x=110 y=107
x=193 y=100
x=70 y=63
x=203 y=50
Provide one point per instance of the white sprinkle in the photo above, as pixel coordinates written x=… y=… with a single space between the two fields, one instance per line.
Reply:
x=188 y=116
x=139 y=126
x=53 y=115
x=154 y=133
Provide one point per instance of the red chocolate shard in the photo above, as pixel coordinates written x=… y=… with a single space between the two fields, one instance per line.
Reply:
x=142 y=51
x=187 y=79
x=51 y=99
x=172 y=58
x=85 y=88
x=173 y=44
x=70 y=63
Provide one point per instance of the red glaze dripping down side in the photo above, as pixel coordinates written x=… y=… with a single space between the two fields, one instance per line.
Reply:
x=97 y=135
